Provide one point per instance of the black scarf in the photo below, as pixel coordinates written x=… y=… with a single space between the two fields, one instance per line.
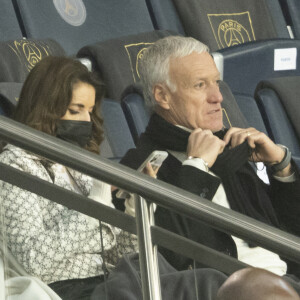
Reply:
x=245 y=192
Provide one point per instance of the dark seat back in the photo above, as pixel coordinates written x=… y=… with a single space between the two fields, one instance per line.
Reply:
x=221 y=24
x=18 y=57
x=122 y=68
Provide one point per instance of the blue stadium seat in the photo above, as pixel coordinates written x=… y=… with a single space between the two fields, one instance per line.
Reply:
x=291 y=9
x=136 y=114
x=244 y=66
x=164 y=16
x=118 y=138
x=250 y=110
x=9 y=24
x=75 y=24
x=278 y=100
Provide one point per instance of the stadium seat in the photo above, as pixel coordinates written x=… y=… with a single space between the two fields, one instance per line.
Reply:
x=278 y=100
x=136 y=113
x=118 y=138
x=164 y=16
x=9 y=25
x=244 y=66
x=75 y=24
x=122 y=68
x=291 y=9
x=221 y=24
x=250 y=110
x=18 y=57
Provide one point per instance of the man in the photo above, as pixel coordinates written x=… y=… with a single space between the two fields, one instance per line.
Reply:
x=181 y=86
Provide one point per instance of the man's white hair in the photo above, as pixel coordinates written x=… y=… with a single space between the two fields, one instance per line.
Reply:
x=155 y=63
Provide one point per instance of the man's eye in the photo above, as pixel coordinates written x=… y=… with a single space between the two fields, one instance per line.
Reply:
x=199 y=84
x=218 y=82
x=73 y=112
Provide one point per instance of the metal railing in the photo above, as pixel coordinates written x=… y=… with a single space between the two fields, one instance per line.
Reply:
x=155 y=191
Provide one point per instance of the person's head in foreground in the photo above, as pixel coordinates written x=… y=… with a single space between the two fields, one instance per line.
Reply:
x=256 y=284
x=62 y=98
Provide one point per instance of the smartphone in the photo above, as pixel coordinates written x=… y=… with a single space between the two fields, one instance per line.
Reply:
x=156 y=158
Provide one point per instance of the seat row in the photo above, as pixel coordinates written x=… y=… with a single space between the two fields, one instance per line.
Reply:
x=76 y=23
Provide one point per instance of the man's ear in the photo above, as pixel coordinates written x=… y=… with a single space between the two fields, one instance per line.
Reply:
x=162 y=96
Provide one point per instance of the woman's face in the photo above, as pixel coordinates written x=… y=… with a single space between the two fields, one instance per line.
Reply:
x=82 y=103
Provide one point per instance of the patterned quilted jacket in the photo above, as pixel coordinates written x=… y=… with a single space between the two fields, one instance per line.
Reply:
x=51 y=241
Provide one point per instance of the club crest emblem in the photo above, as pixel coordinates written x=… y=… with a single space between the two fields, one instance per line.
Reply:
x=231 y=29
x=72 y=11
x=135 y=53
x=29 y=52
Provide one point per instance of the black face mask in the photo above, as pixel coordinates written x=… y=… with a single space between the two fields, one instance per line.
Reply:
x=76 y=132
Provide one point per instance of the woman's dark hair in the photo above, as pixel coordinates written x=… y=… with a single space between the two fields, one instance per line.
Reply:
x=47 y=93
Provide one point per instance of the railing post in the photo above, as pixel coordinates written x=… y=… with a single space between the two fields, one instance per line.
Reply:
x=147 y=252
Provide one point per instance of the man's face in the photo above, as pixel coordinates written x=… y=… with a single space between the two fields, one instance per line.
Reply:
x=196 y=103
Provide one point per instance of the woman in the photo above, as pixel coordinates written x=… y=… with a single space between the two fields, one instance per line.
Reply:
x=62 y=247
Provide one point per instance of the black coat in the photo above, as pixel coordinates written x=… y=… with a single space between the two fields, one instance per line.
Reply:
x=285 y=197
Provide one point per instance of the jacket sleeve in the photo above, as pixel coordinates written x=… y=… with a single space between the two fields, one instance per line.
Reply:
x=286 y=201
x=198 y=182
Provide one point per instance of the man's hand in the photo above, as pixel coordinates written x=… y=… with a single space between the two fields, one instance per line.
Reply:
x=149 y=170
x=264 y=149
x=203 y=144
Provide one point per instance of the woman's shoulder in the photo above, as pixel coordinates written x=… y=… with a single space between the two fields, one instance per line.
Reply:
x=19 y=158
x=11 y=152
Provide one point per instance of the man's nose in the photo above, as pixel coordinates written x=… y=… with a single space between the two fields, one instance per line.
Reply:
x=214 y=94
